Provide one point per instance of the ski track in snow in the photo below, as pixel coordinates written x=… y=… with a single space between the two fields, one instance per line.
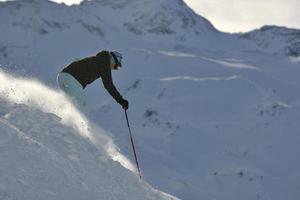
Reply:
x=233 y=63
x=200 y=79
x=263 y=92
x=176 y=54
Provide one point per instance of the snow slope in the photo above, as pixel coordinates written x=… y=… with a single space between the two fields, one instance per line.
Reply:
x=56 y=156
x=213 y=126
x=214 y=115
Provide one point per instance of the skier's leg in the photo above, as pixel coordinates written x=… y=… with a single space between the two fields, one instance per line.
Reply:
x=72 y=88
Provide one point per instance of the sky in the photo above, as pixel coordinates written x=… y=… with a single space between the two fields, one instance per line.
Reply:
x=242 y=15
x=245 y=15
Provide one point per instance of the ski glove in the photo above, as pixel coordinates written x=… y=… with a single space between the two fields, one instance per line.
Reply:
x=124 y=104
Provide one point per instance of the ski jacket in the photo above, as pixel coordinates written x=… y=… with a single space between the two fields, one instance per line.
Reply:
x=86 y=70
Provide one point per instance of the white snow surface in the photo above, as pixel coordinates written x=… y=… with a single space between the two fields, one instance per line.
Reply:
x=213 y=115
x=50 y=151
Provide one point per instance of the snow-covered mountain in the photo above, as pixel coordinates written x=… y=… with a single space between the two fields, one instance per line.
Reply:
x=162 y=17
x=276 y=39
x=162 y=21
x=167 y=18
x=214 y=115
x=171 y=19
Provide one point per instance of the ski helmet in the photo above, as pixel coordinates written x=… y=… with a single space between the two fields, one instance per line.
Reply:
x=117 y=57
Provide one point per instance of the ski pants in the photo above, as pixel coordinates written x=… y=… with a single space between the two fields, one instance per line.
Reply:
x=72 y=88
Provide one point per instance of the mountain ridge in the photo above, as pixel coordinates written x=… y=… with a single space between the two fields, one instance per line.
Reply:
x=171 y=21
x=268 y=35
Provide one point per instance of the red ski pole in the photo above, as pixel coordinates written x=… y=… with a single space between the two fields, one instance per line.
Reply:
x=132 y=145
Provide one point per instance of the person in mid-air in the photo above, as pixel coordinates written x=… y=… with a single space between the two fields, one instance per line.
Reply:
x=76 y=76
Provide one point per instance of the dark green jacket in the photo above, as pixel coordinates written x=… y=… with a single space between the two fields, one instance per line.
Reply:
x=87 y=70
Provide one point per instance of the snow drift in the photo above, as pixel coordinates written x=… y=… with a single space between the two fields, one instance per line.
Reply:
x=48 y=150
x=34 y=94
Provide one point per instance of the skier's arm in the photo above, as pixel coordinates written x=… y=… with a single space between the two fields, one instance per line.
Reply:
x=110 y=87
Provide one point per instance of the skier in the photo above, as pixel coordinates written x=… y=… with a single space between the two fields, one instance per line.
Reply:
x=77 y=75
